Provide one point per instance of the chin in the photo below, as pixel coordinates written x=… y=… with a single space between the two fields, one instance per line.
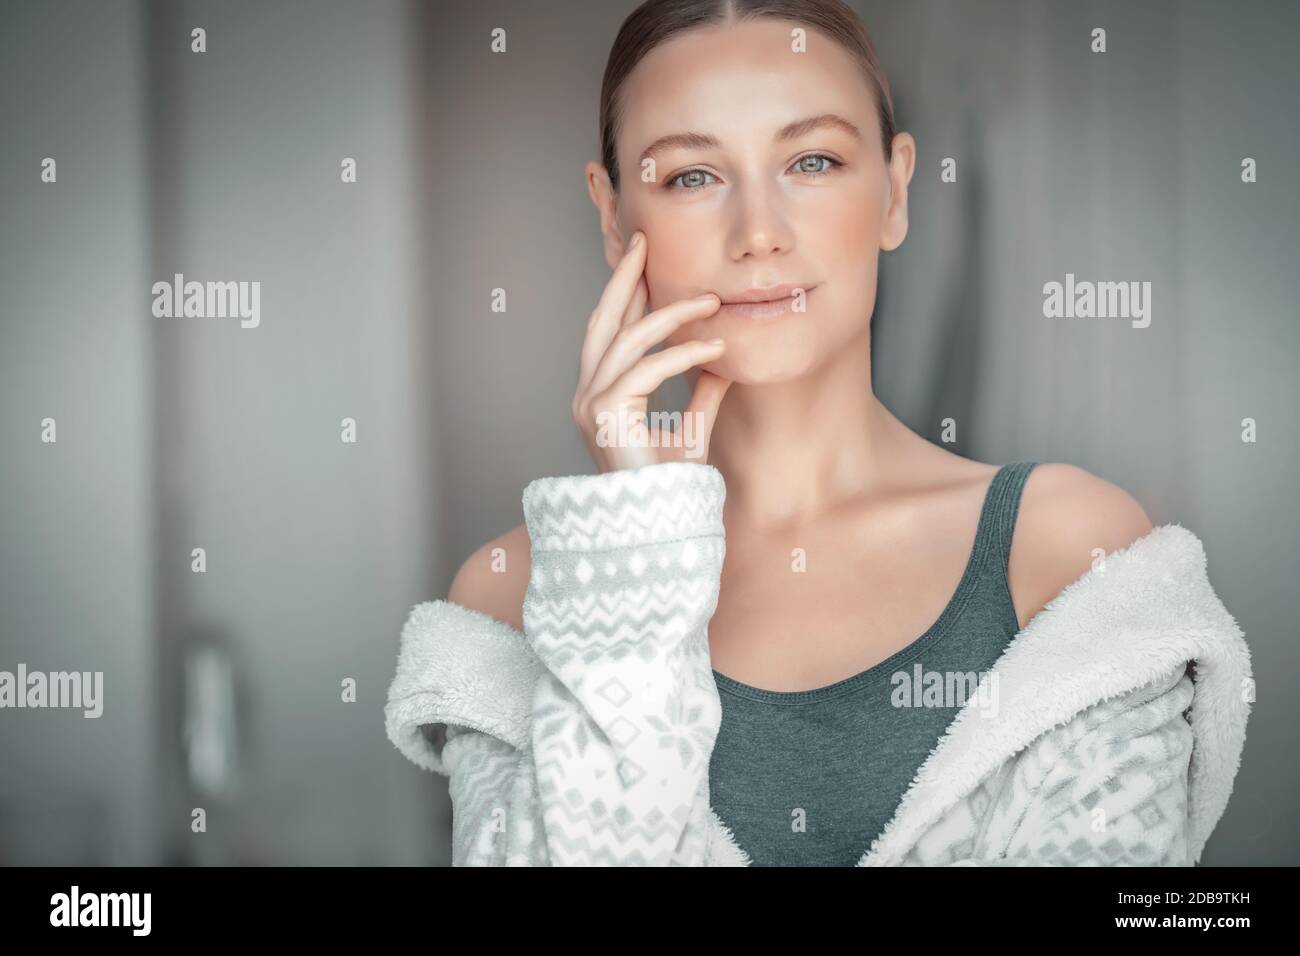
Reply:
x=765 y=363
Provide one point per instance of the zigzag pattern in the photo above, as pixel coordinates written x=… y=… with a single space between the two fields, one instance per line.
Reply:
x=640 y=603
x=630 y=609
x=664 y=502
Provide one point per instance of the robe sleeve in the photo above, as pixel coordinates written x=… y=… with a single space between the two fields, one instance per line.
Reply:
x=608 y=762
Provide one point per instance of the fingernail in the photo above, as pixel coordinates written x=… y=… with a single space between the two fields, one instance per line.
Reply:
x=715 y=341
x=636 y=241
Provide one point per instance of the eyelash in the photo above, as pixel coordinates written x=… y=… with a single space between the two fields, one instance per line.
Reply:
x=835 y=164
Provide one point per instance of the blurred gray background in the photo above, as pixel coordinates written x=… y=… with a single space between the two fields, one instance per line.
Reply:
x=181 y=433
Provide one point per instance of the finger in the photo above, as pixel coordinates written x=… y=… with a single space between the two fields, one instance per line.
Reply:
x=653 y=370
x=607 y=317
x=636 y=307
x=633 y=341
x=710 y=389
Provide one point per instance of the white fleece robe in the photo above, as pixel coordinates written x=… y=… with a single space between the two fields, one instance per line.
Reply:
x=585 y=739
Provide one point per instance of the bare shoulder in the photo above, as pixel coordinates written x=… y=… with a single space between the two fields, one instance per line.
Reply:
x=1065 y=514
x=494 y=579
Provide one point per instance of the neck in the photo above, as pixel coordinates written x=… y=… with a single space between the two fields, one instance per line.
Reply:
x=792 y=451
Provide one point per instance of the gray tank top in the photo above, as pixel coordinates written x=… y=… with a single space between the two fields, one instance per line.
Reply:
x=810 y=778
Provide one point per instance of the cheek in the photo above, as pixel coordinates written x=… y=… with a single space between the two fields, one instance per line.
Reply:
x=849 y=240
x=851 y=228
x=675 y=264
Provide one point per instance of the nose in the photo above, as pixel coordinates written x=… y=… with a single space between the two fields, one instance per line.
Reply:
x=761 y=227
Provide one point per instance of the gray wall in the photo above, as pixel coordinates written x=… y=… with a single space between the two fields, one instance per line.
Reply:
x=76 y=516
x=177 y=433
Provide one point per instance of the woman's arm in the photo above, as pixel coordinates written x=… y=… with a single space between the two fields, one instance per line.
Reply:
x=625 y=574
x=610 y=764
x=623 y=580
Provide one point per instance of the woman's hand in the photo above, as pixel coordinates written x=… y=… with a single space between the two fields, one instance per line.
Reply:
x=616 y=376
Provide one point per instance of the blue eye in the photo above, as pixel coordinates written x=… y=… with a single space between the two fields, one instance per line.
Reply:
x=800 y=166
x=689 y=172
x=835 y=164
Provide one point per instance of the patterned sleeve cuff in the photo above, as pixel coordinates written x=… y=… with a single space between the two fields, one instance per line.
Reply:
x=666 y=501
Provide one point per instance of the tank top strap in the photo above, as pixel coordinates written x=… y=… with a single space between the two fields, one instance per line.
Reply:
x=1001 y=508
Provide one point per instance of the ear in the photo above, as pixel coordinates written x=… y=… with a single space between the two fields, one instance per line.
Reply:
x=902 y=163
x=602 y=194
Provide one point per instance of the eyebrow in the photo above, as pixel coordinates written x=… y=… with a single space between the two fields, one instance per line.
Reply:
x=790 y=131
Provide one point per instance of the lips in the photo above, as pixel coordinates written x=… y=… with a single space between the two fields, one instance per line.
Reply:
x=769 y=303
x=769 y=294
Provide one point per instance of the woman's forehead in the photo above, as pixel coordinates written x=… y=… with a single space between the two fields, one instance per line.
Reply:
x=739 y=78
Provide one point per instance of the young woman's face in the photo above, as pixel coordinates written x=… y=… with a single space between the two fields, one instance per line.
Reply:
x=766 y=204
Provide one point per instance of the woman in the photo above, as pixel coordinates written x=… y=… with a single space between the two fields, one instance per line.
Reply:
x=797 y=704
